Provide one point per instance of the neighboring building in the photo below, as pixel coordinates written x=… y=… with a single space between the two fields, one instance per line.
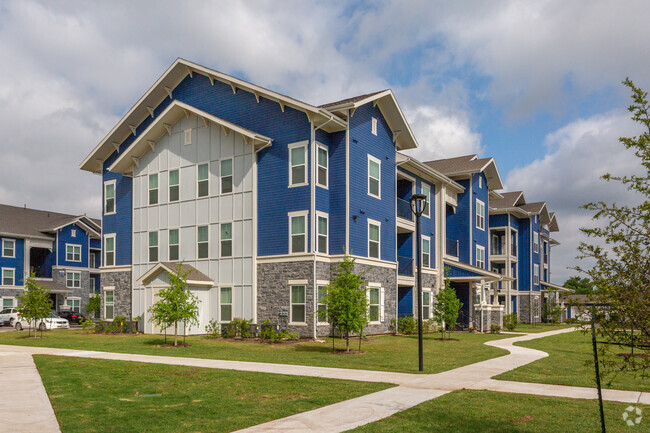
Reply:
x=63 y=252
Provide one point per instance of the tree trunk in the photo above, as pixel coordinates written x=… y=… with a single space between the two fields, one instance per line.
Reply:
x=175 y=333
x=347 y=341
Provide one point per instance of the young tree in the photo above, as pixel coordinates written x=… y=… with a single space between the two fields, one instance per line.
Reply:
x=582 y=286
x=94 y=306
x=621 y=272
x=347 y=305
x=447 y=307
x=34 y=304
x=176 y=303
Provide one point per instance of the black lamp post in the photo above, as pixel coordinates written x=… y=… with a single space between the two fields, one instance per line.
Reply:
x=418 y=206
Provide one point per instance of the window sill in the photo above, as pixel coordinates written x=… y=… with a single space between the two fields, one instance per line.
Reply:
x=110 y=213
x=296 y=185
x=297 y=324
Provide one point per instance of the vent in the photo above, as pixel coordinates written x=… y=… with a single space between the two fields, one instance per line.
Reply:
x=188 y=137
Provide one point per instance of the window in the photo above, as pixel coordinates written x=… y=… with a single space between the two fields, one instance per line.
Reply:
x=73 y=233
x=109 y=250
x=153 y=247
x=91 y=260
x=480 y=181
x=298 y=165
x=73 y=253
x=109 y=302
x=322 y=166
x=513 y=285
x=535 y=273
x=73 y=279
x=225 y=304
x=74 y=304
x=322 y=234
x=426 y=305
x=153 y=189
x=202 y=242
x=174 y=252
x=298 y=233
x=480 y=257
x=109 y=197
x=8 y=277
x=7 y=303
x=373 y=304
x=374 y=126
x=188 y=137
x=374 y=238
x=374 y=176
x=480 y=214
x=426 y=252
x=203 y=186
x=536 y=242
x=426 y=190
x=8 y=248
x=226 y=176
x=298 y=304
x=91 y=287
x=322 y=308
x=174 y=191
x=226 y=240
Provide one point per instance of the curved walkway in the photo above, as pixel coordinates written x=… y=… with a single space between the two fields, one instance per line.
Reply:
x=17 y=371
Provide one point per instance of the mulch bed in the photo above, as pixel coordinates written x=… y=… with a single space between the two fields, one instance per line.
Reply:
x=344 y=352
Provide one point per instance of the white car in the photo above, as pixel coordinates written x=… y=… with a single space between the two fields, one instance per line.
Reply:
x=51 y=322
x=9 y=316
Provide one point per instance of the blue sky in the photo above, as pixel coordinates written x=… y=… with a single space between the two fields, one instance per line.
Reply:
x=536 y=85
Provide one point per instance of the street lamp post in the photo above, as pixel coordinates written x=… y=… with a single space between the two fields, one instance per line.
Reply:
x=418 y=206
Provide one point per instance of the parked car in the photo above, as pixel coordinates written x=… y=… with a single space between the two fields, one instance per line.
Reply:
x=72 y=317
x=9 y=316
x=51 y=322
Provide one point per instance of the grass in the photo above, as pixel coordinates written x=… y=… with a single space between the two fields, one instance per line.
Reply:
x=94 y=395
x=540 y=327
x=485 y=411
x=565 y=365
x=384 y=353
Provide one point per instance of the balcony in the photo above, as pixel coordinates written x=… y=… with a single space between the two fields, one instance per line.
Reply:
x=404 y=209
x=546 y=259
x=497 y=249
x=405 y=266
x=452 y=248
x=513 y=250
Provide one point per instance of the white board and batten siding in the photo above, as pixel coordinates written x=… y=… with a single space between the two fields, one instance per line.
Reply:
x=208 y=144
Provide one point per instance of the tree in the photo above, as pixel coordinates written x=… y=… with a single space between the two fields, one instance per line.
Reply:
x=621 y=270
x=176 y=303
x=447 y=307
x=582 y=286
x=347 y=305
x=34 y=304
x=94 y=305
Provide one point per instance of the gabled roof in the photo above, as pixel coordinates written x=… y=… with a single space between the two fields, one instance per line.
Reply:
x=162 y=125
x=426 y=172
x=468 y=164
x=164 y=87
x=555 y=287
x=553 y=225
x=25 y=222
x=509 y=200
x=194 y=277
x=385 y=100
x=537 y=208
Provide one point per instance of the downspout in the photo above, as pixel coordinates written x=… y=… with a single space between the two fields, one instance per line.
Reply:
x=347 y=186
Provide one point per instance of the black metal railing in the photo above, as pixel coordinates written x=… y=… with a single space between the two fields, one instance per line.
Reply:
x=451 y=247
x=404 y=209
x=497 y=249
x=405 y=266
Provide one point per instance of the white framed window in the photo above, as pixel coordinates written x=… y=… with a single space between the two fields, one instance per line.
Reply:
x=374 y=177
x=536 y=242
x=174 y=244
x=73 y=233
x=225 y=304
x=480 y=182
x=323 y=229
x=426 y=305
x=8 y=276
x=426 y=190
x=153 y=247
x=109 y=197
x=72 y=253
x=188 y=137
x=9 y=248
x=298 y=304
x=480 y=214
x=226 y=176
x=73 y=279
x=74 y=304
x=373 y=127
x=374 y=304
x=174 y=185
x=298 y=232
x=226 y=239
x=298 y=164
x=153 y=189
x=202 y=181
x=535 y=273
x=374 y=239
x=480 y=257
x=322 y=308
x=202 y=243
x=321 y=178
x=109 y=303
x=426 y=251
x=109 y=250
x=8 y=302
x=91 y=286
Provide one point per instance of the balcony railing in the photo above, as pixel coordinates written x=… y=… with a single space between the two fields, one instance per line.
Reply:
x=404 y=209
x=451 y=247
x=497 y=249
x=513 y=250
x=405 y=266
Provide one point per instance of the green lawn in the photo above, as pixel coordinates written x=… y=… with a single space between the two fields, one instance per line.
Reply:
x=385 y=353
x=95 y=395
x=540 y=327
x=485 y=411
x=565 y=365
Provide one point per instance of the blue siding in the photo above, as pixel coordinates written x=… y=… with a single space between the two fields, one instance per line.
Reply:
x=96 y=244
x=453 y=271
x=524 y=239
x=500 y=220
x=17 y=262
x=404 y=301
x=336 y=153
x=81 y=238
x=458 y=223
x=479 y=237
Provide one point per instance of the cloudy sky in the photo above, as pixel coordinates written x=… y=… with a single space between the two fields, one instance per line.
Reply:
x=534 y=84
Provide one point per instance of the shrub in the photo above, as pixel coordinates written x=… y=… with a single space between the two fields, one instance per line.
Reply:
x=430 y=325
x=87 y=325
x=228 y=330
x=269 y=333
x=407 y=325
x=572 y=320
x=495 y=329
x=119 y=325
x=393 y=326
x=212 y=329
x=292 y=336
x=510 y=321
x=242 y=327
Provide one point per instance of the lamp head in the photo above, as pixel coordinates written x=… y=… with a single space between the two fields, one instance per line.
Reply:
x=418 y=204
